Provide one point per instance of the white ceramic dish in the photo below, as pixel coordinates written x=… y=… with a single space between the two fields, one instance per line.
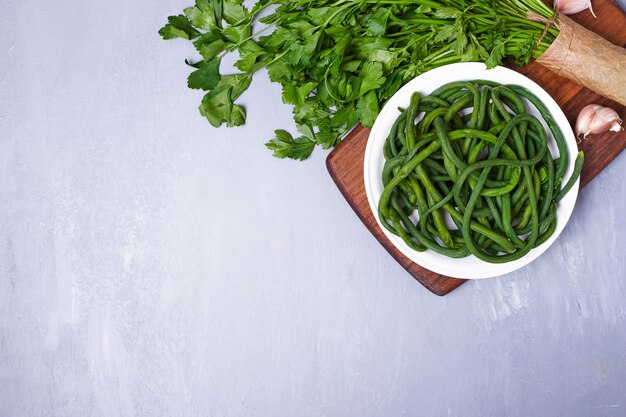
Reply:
x=469 y=267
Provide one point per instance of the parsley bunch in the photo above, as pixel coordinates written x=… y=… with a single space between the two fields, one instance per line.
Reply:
x=338 y=61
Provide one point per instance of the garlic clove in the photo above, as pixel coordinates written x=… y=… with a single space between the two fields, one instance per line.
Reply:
x=594 y=119
x=583 y=121
x=604 y=120
x=573 y=6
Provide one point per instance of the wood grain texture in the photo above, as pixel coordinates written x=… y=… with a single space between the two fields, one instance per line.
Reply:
x=345 y=162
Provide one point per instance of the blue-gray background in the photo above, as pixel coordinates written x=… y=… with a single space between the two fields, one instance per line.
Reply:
x=153 y=265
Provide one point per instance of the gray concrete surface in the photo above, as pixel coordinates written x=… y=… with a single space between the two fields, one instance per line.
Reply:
x=151 y=265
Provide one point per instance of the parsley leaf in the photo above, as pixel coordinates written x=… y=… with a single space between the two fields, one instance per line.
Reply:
x=206 y=77
x=218 y=104
x=377 y=22
x=286 y=146
x=367 y=109
x=445 y=33
x=237 y=34
x=210 y=44
x=293 y=94
x=237 y=116
x=326 y=138
x=206 y=14
x=447 y=13
x=496 y=54
x=371 y=77
x=249 y=53
x=234 y=12
x=178 y=27
x=279 y=71
x=345 y=116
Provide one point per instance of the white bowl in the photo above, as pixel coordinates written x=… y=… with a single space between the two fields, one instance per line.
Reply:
x=469 y=267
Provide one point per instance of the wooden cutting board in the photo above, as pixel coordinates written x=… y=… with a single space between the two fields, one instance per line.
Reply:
x=345 y=162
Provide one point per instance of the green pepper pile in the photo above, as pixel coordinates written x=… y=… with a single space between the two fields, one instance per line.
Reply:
x=478 y=156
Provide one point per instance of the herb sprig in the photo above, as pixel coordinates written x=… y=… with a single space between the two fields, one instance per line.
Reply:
x=338 y=61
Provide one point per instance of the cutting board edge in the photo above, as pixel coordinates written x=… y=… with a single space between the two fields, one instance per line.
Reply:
x=384 y=243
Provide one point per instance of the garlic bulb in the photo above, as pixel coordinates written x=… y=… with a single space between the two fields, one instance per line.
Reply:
x=572 y=6
x=594 y=119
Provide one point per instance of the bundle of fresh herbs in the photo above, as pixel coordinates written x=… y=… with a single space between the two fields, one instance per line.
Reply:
x=338 y=61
